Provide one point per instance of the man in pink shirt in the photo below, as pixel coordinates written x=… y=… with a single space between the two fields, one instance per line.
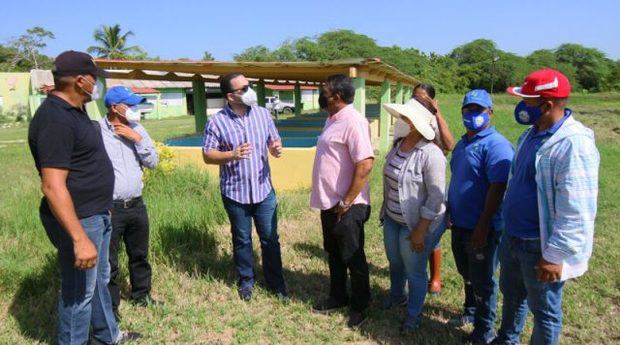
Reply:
x=342 y=165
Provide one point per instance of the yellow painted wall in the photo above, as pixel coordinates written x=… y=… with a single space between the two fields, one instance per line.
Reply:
x=291 y=171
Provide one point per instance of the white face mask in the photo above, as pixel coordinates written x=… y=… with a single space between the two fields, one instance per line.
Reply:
x=95 y=94
x=132 y=113
x=401 y=129
x=249 y=97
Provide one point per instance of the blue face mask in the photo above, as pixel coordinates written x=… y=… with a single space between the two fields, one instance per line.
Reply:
x=527 y=115
x=476 y=120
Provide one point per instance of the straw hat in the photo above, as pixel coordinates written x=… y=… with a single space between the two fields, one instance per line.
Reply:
x=416 y=113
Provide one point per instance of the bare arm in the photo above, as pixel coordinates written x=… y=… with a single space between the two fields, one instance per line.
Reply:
x=360 y=178
x=447 y=139
x=218 y=157
x=54 y=187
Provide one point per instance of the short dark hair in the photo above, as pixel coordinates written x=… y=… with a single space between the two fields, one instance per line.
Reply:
x=225 y=85
x=426 y=87
x=343 y=86
x=61 y=82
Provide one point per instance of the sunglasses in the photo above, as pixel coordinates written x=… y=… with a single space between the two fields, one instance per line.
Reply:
x=244 y=88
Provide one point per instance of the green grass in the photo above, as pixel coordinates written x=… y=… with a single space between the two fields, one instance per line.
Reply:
x=192 y=256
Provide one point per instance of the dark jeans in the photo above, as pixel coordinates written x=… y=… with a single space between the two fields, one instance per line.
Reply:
x=521 y=289
x=477 y=267
x=344 y=243
x=130 y=224
x=265 y=216
x=84 y=301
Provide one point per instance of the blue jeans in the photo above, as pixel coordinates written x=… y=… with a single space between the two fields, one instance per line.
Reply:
x=521 y=289
x=265 y=216
x=84 y=296
x=407 y=265
x=478 y=271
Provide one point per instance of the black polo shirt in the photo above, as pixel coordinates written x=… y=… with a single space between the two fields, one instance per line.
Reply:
x=63 y=136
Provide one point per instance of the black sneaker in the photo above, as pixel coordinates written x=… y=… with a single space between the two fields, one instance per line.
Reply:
x=327 y=306
x=145 y=301
x=356 y=319
x=245 y=294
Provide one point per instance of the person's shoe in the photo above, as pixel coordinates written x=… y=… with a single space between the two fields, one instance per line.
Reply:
x=410 y=325
x=356 y=319
x=471 y=339
x=391 y=302
x=245 y=294
x=462 y=320
x=129 y=336
x=327 y=306
x=145 y=301
x=283 y=297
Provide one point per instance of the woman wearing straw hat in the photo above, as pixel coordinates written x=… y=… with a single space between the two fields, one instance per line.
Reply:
x=413 y=207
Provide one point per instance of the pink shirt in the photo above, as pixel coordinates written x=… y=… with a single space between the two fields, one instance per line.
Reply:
x=345 y=141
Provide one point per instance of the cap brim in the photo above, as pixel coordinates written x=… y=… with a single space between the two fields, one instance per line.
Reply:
x=517 y=91
x=133 y=100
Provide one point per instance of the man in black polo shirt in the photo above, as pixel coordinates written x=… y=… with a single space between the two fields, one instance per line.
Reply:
x=77 y=180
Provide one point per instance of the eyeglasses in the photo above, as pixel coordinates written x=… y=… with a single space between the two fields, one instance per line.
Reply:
x=244 y=88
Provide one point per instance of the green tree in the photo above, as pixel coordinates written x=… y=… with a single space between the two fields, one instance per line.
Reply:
x=258 y=53
x=113 y=45
x=207 y=56
x=27 y=49
x=591 y=65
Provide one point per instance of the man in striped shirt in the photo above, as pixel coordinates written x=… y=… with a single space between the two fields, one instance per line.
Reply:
x=237 y=139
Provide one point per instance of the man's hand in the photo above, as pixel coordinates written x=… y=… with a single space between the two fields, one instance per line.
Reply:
x=548 y=272
x=340 y=210
x=127 y=132
x=85 y=254
x=242 y=151
x=275 y=148
x=479 y=237
x=417 y=240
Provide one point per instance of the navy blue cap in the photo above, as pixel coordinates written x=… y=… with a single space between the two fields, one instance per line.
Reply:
x=478 y=96
x=121 y=94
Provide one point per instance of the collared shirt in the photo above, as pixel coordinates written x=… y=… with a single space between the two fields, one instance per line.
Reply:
x=245 y=181
x=128 y=158
x=476 y=164
x=344 y=142
x=63 y=136
x=520 y=209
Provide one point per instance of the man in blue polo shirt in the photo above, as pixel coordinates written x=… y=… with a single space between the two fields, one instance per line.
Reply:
x=480 y=165
x=549 y=209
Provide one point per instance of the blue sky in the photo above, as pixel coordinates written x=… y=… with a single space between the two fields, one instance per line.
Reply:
x=186 y=28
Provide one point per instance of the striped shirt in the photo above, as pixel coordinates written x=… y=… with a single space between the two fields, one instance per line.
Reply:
x=245 y=181
x=391 y=173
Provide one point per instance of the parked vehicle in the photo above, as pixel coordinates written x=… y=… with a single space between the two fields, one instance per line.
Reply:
x=276 y=106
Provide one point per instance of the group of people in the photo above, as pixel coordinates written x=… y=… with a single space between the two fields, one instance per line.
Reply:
x=530 y=211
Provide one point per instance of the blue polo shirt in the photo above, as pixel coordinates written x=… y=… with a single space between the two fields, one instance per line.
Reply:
x=520 y=210
x=475 y=164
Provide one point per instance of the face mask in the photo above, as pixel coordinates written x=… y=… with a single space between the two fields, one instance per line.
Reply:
x=322 y=100
x=95 y=94
x=249 y=98
x=527 y=115
x=401 y=129
x=475 y=121
x=132 y=113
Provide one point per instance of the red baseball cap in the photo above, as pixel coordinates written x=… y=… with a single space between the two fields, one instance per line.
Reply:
x=546 y=83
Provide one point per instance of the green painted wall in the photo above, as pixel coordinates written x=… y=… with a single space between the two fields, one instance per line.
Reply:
x=165 y=106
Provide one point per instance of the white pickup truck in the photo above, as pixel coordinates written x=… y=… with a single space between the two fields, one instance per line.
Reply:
x=276 y=106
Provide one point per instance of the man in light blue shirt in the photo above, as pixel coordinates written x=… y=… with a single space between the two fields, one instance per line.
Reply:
x=130 y=149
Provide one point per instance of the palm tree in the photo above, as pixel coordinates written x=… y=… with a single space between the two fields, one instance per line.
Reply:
x=112 y=45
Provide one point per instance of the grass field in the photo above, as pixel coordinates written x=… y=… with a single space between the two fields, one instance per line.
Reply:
x=192 y=263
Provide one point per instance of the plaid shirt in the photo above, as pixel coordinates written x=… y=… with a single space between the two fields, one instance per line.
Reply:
x=567 y=167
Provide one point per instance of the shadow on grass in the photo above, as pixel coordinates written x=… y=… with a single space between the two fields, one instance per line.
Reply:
x=34 y=304
x=315 y=250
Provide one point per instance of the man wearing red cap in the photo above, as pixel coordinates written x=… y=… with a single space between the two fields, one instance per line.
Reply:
x=549 y=209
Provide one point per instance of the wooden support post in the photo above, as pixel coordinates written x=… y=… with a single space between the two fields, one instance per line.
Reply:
x=200 y=105
x=360 y=95
x=399 y=93
x=384 y=117
x=260 y=92
x=297 y=97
